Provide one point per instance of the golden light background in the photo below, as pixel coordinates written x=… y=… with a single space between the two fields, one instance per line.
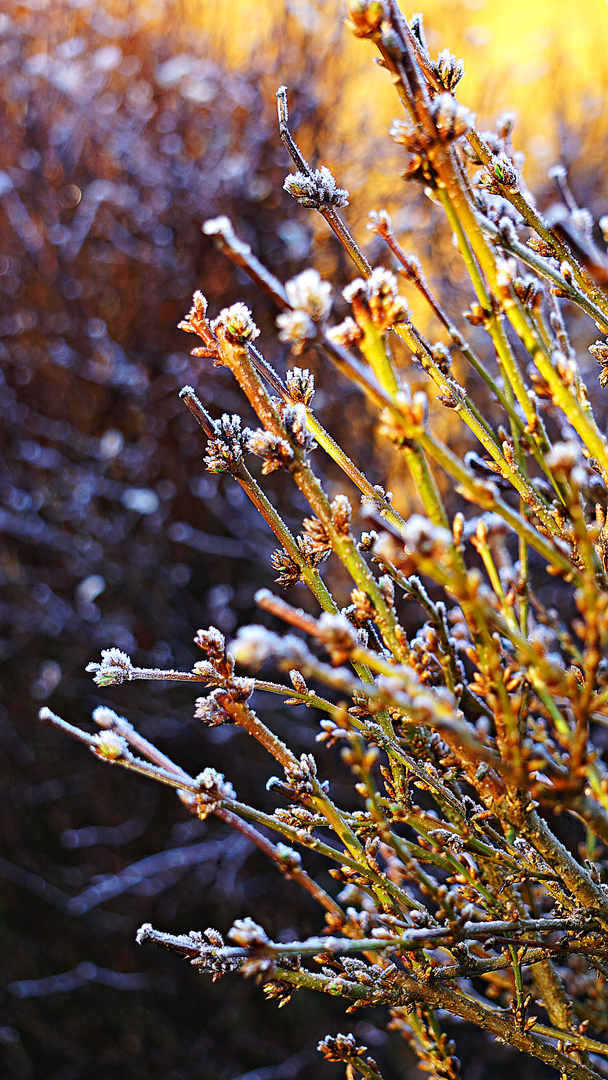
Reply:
x=545 y=59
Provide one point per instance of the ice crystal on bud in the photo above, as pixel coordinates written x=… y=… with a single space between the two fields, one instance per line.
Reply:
x=212 y=641
x=255 y=644
x=298 y=682
x=312 y=551
x=247 y=933
x=105 y=717
x=111 y=746
x=379 y=221
x=387 y=586
x=341 y=512
x=224 y=452
x=449 y=69
x=214 y=782
x=380 y=295
x=308 y=292
x=237 y=323
x=386 y=305
x=317 y=190
x=507 y=231
x=289 y=856
x=338 y=635
x=422 y=536
x=340 y=1048
x=506 y=270
x=599 y=350
x=289 y=572
x=275 y=450
x=211 y=711
x=317 y=535
x=115 y=668
x=195 y=321
x=301 y=385
x=563 y=457
x=502 y=169
x=303 y=774
x=416 y=142
x=346 y=333
x=294 y=418
x=353 y=289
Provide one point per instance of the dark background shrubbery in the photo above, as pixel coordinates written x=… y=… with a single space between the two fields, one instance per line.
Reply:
x=117 y=139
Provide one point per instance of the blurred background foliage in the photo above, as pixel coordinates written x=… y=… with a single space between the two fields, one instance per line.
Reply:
x=122 y=127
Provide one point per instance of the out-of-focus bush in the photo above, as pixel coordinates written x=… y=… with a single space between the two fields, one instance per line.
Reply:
x=117 y=138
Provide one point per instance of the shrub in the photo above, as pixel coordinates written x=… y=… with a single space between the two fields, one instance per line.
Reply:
x=469 y=843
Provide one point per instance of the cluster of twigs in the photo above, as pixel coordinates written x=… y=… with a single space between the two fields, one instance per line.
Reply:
x=467 y=741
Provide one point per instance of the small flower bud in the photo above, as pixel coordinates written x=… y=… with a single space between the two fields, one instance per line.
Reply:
x=246 y=932
x=449 y=69
x=111 y=746
x=195 y=320
x=301 y=385
x=502 y=169
x=317 y=191
x=237 y=324
x=115 y=668
x=214 y=782
x=289 y=572
x=341 y=514
x=346 y=333
x=365 y=16
x=276 y=451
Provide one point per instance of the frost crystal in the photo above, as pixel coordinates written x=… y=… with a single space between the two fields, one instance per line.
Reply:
x=210 y=711
x=246 y=932
x=275 y=450
x=381 y=295
x=212 y=641
x=219 y=226
x=340 y=1047
x=225 y=451
x=449 y=69
x=346 y=333
x=195 y=319
x=317 y=191
x=288 y=855
x=452 y=119
x=111 y=746
x=354 y=288
x=294 y=418
x=214 y=782
x=237 y=323
x=106 y=718
x=301 y=385
x=115 y=667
